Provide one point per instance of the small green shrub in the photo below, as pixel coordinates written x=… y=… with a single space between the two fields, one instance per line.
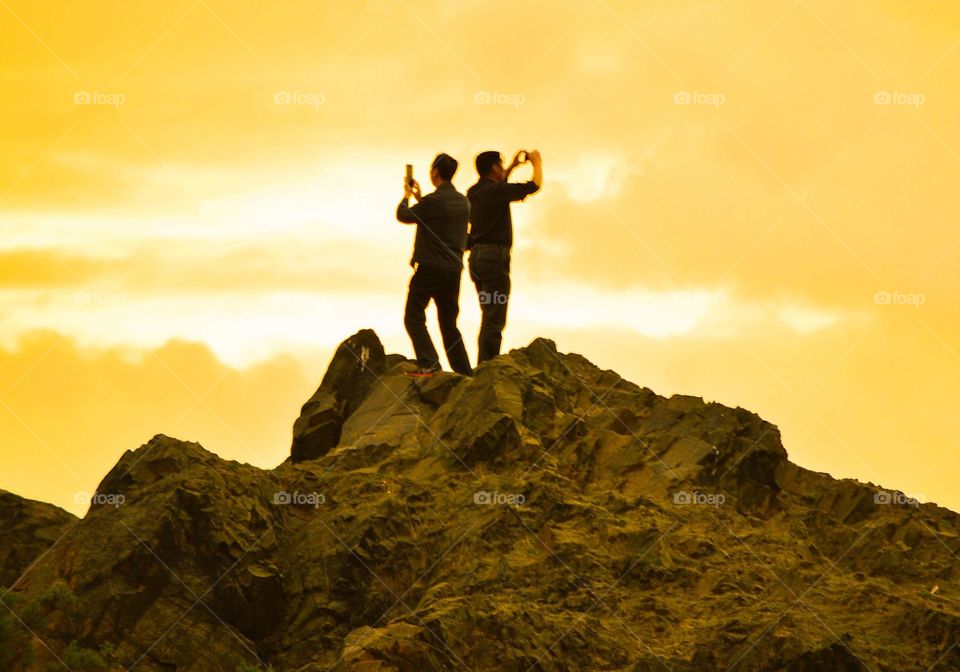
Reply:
x=79 y=659
x=15 y=651
x=58 y=596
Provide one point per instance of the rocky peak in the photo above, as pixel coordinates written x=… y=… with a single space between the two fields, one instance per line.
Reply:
x=544 y=514
x=541 y=407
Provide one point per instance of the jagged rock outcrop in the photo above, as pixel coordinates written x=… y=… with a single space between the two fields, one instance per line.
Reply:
x=28 y=528
x=542 y=515
x=356 y=365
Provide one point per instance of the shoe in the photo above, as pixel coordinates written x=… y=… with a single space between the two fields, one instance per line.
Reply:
x=424 y=372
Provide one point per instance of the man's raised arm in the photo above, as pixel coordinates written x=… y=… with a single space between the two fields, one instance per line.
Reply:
x=513 y=164
x=537 y=168
x=406 y=214
x=517 y=191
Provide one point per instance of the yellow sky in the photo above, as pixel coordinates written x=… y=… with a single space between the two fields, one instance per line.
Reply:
x=196 y=200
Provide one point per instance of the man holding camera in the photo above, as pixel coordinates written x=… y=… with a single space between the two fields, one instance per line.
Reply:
x=491 y=238
x=441 y=219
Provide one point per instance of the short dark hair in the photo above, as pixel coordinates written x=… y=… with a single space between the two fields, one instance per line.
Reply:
x=446 y=166
x=486 y=161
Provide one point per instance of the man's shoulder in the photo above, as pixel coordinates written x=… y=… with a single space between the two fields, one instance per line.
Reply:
x=449 y=195
x=430 y=200
x=480 y=187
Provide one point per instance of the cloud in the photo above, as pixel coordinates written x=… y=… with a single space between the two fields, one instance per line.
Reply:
x=23 y=268
x=595 y=176
x=204 y=209
x=69 y=413
x=806 y=319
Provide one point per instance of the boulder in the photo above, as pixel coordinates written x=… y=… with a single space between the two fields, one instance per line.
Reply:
x=356 y=368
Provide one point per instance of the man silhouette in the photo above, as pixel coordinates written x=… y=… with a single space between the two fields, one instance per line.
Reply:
x=491 y=238
x=441 y=218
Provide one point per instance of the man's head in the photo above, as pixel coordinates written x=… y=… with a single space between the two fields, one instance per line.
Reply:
x=443 y=168
x=490 y=164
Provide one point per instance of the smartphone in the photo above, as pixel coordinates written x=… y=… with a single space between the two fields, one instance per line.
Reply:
x=409 y=173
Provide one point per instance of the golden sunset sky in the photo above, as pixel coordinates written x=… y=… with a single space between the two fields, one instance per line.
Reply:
x=753 y=201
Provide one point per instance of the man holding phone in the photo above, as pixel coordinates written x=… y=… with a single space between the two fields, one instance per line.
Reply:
x=491 y=238
x=441 y=219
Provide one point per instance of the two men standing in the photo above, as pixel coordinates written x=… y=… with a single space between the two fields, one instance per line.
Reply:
x=441 y=218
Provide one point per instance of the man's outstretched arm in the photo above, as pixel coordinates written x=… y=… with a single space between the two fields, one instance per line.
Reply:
x=405 y=213
x=517 y=191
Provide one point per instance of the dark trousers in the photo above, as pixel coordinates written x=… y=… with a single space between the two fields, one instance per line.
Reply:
x=443 y=287
x=490 y=272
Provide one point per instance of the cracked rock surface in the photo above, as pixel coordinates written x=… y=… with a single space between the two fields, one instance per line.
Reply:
x=542 y=515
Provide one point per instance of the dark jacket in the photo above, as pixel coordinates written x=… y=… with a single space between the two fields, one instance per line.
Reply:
x=441 y=218
x=490 y=221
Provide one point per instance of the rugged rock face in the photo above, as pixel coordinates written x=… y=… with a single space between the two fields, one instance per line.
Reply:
x=29 y=528
x=543 y=515
x=356 y=366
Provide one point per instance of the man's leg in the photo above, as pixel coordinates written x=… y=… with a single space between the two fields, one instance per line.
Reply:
x=447 y=299
x=415 y=319
x=492 y=278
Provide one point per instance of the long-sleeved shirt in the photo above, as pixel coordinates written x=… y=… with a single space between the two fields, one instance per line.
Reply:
x=490 y=221
x=441 y=218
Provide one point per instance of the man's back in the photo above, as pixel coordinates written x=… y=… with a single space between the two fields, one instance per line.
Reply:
x=441 y=218
x=491 y=223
